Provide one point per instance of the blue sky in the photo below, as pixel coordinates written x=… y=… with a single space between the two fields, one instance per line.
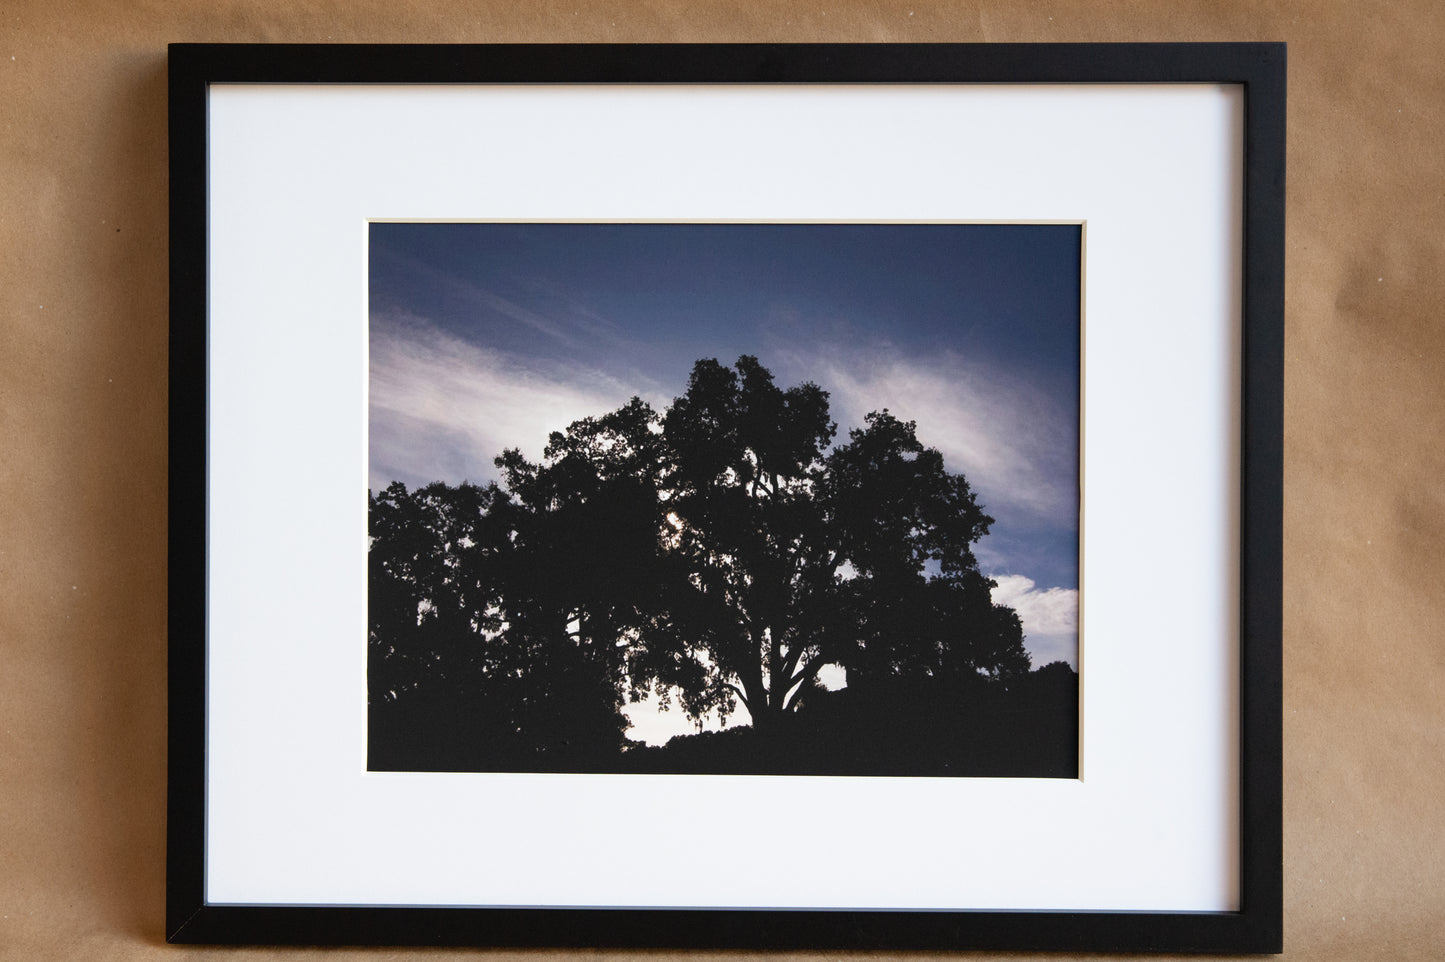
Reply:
x=485 y=336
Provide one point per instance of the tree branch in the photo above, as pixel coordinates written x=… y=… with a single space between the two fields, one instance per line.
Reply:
x=801 y=679
x=746 y=704
x=794 y=657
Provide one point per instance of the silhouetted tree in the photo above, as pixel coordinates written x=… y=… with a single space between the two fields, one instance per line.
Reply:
x=782 y=559
x=587 y=554
x=906 y=527
x=751 y=570
x=715 y=554
x=432 y=590
x=474 y=626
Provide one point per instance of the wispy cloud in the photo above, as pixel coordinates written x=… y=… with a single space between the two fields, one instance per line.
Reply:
x=476 y=299
x=442 y=408
x=1012 y=442
x=576 y=309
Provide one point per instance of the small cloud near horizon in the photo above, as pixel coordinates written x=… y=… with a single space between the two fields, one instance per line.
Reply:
x=1050 y=617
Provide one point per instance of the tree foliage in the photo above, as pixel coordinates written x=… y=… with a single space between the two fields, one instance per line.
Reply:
x=717 y=555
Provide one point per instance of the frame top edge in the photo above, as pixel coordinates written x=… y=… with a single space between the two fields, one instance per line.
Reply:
x=1208 y=62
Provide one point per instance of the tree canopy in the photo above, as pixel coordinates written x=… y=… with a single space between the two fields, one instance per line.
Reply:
x=717 y=555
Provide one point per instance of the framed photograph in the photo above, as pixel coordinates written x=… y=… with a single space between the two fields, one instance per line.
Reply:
x=760 y=496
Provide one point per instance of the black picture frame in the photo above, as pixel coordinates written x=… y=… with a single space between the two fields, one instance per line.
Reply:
x=1260 y=69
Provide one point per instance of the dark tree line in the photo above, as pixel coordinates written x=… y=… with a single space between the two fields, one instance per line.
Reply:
x=717 y=555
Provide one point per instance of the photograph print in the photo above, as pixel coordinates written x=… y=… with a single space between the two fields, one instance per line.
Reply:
x=761 y=499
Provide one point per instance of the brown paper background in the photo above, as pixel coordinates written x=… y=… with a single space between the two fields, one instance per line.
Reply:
x=83 y=246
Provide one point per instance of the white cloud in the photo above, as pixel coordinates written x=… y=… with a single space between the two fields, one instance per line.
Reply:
x=1010 y=440
x=1050 y=617
x=442 y=409
x=1049 y=611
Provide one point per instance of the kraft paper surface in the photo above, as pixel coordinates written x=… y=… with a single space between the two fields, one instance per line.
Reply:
x=83 y=421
